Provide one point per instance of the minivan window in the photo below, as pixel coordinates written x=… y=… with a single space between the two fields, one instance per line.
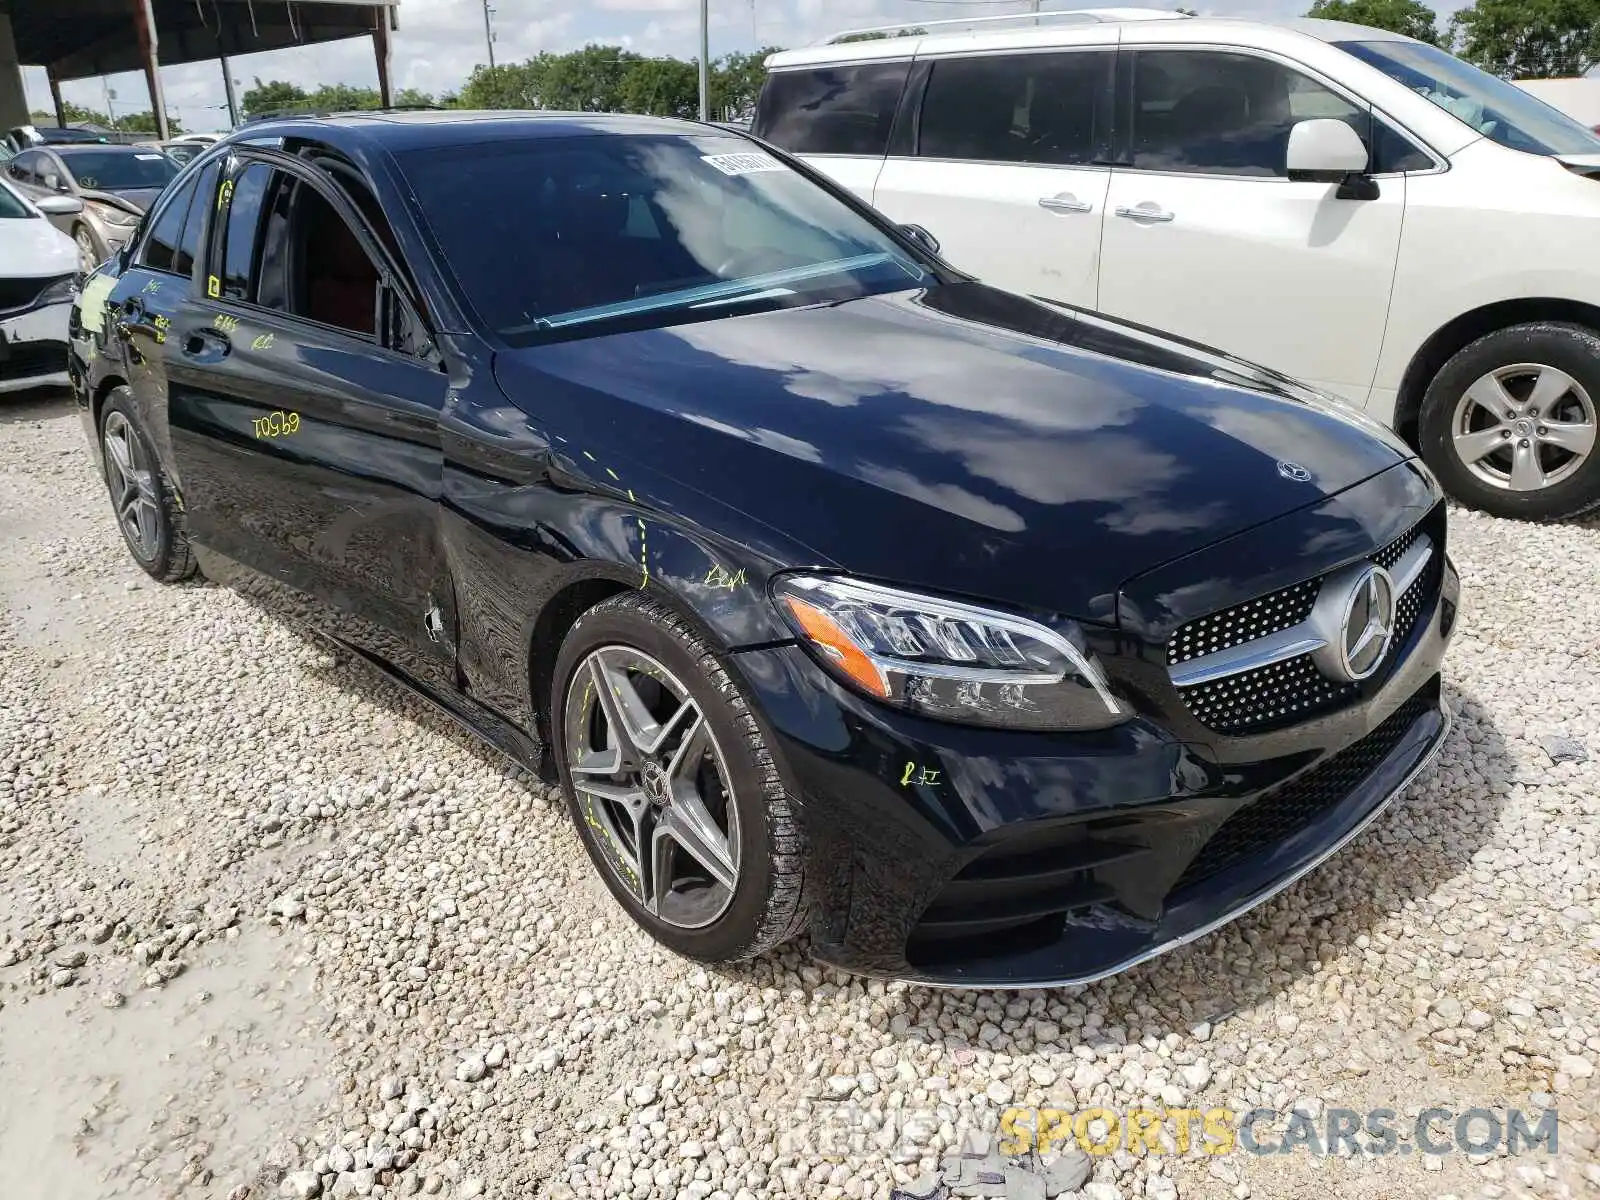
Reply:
x=1022 y=108
x=832 y=110
x=1217 y=113
x=643 y=231
x=1501 y=111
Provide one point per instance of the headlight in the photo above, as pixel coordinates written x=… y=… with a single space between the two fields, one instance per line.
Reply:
x=61 y=289
x=939 y=658
x=113 y=215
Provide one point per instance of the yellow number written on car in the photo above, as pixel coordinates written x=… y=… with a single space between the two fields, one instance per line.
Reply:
x=277 y=424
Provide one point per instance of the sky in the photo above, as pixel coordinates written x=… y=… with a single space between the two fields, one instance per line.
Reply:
x=440 y=41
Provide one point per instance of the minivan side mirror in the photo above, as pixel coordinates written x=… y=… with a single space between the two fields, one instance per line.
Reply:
x=53 y=182
x=922 y=237
x=59 y=206
x=1323 y=150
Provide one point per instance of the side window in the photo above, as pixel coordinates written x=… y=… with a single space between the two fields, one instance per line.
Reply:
x=310 y=263
x=1392 y=153
x=1027 y=108
x=239 y=232
x=22 y=167
x=832 y=110
x=205 y=192
x=161 y=242
x=1217 y=113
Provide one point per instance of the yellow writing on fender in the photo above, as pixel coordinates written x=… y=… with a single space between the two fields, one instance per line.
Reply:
x=1102 y=1131
x=262 y=341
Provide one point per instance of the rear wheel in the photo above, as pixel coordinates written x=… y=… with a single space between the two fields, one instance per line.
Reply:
x=1509 y=423
x=141 y=494
x=669 y=779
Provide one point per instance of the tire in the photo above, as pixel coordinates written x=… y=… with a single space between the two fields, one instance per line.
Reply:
x=1534 y=468
x=142 y=497
x=90 y=255
x=655 y=653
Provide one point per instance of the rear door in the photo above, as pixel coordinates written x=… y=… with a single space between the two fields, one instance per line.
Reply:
x=1207 y=237
x=304 y=402
x=837 y=118
x=1006 y=167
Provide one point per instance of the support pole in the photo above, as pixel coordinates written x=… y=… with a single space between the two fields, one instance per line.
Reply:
x=705 y=60
x=227 y=87
x=55 y=98
x=144 y=21
x=488 y=34
x=382 y=51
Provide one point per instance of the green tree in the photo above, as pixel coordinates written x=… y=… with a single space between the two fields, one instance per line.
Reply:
x=76 y=115
x=272 y=96
x=342 y=97
x=1529 y=39
x=1406 y=17
x=506 y=85
x=907 y=31
x=145 y=122
x=663 y=87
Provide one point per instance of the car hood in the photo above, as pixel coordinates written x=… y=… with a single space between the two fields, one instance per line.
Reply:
x=134 y=199
x=32 y=246
x=957 y=439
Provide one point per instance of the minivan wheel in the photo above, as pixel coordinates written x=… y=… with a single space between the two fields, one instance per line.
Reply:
x=670 y=782
x=1509 y=423
x=142 y=496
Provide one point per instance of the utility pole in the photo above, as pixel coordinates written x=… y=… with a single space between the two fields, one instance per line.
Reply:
x=488 y=33
x=705 y=60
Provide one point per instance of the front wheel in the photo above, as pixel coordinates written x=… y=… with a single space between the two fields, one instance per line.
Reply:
x=1509 y=423
x=674 y=792
x=89 y=255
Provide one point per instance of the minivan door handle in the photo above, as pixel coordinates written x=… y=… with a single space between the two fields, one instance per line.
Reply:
x=1065 y=202
x=1146 y=211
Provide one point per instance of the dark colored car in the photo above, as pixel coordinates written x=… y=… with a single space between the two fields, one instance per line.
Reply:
x=115 y=183
x=986 y=642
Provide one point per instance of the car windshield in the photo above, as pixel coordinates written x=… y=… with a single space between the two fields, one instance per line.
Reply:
x=1501 y=111
x=552 y=236
x=117 y=170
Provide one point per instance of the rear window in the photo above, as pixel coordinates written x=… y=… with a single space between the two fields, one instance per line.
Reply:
x=832 y=110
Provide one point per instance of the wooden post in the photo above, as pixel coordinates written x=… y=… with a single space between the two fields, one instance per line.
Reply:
x=381 y=50
x=144 y=22
x=55 y=97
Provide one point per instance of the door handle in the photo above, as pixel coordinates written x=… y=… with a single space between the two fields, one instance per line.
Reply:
x=1147 y=211
x=134 y=321
x=1065 y=202
x=206 y=345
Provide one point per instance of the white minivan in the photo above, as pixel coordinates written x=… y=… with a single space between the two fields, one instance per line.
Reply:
x=1351 y=207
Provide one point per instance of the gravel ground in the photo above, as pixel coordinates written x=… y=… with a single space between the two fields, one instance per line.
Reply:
x=268 y=927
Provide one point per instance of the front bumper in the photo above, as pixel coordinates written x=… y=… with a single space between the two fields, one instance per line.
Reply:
x=964 y=857
x=33 y=347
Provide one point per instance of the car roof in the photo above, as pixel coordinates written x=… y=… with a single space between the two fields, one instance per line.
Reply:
x=68 y=149
x=421 y=129
x=1078 y=27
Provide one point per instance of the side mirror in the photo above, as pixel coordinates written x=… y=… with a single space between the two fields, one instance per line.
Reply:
x=922 y=237
x=1323 y=150
x=59 y=206
x=53 y=182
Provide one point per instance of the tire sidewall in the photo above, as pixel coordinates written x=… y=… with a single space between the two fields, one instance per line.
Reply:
x=162 y=565
x=1571 y=348
x=733 y=934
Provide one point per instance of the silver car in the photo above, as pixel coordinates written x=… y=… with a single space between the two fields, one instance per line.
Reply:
x=115 y=183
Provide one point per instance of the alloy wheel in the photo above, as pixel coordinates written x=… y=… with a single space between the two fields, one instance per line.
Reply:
x=88 y=256
x=133 y=487
x=1524 y=427
x=653 y=786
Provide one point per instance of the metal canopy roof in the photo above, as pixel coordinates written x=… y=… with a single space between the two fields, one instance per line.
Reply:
x=78 y=38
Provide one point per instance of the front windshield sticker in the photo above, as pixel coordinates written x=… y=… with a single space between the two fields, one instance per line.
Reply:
x=148 y=157
x=743 y=164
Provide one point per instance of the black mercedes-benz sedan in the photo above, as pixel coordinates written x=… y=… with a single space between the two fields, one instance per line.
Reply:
x=983 y=641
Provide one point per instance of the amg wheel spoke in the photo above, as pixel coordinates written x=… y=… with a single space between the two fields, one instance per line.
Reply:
x=1474 y=446
x=685 y=717
x=1576 y=436
x=624 y=706
x=686 y=760
x=598 y=762
x=1491 y=394
x=608 y=696
x=1550 y=386
x=688 y=823
x=1526 y=473
x=117 y=447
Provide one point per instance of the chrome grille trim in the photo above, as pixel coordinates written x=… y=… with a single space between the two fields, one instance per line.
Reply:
x=1303 y=638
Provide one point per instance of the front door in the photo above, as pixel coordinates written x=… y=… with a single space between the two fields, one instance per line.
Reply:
x=1008 y=172
x=1206 y=237
x=305 y=437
